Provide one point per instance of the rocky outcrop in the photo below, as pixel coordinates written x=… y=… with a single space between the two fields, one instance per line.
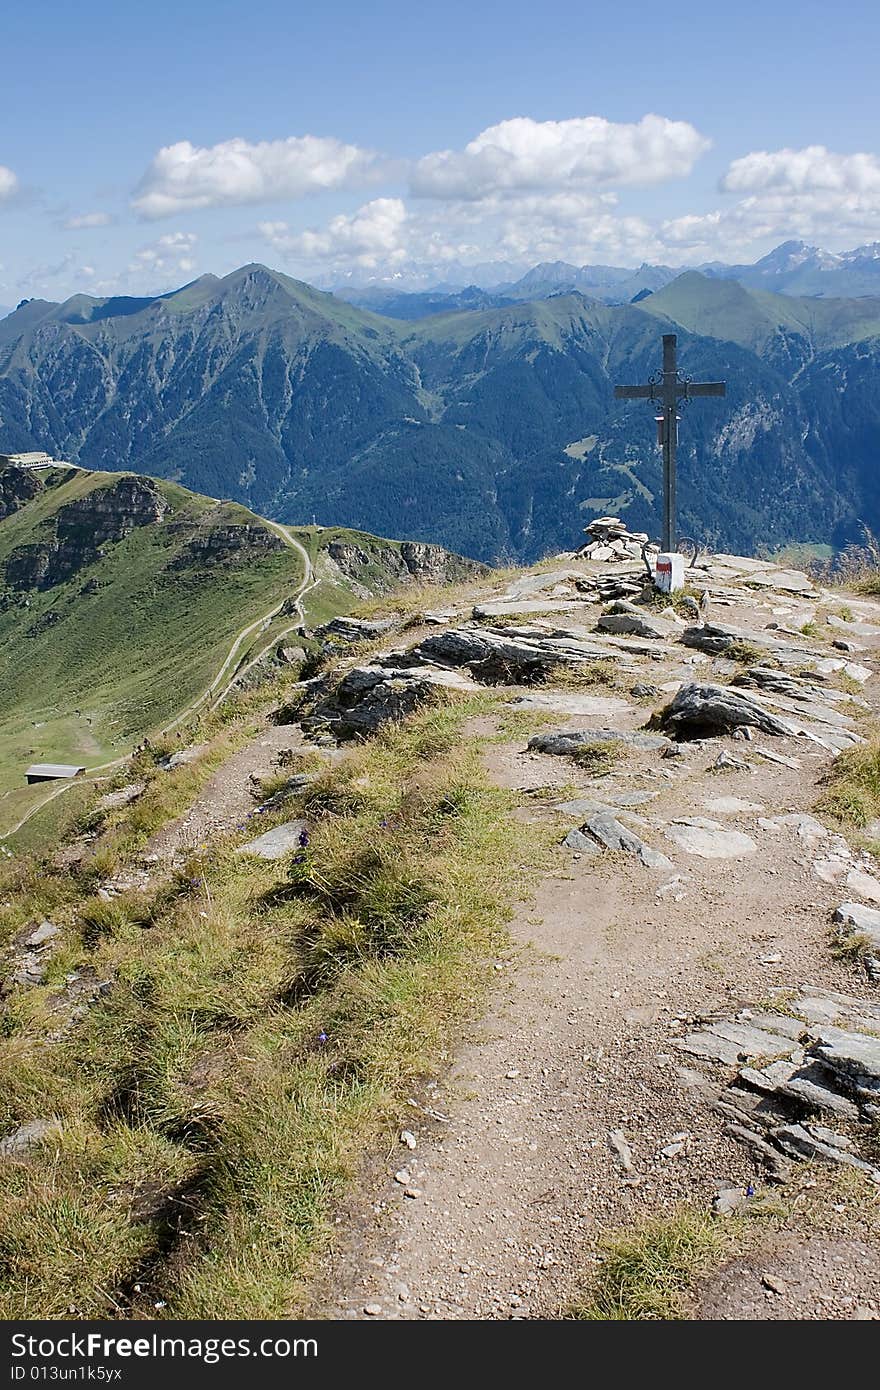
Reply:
x=345 y=630
x=698 y=710
x=227 y=544
x=369 y=564
x=507 y=656
x=369 y=696
x=81 y=528
x=17 y=486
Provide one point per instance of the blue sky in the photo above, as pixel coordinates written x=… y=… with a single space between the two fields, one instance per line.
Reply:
x=141 y=146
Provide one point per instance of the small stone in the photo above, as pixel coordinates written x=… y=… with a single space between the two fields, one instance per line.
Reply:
x=403 y=1176
x=407 y=1138
x=618 y=1146
x=373 y=1310
x=773 y=1284
x=412 y=1192
x=727 y=1200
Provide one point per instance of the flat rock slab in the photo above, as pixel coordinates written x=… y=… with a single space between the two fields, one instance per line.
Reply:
x=577 y=840
x=274 y=844
x=709 y=840
x=859 y=920
x=657 y=629
x=538 y=583
x=856 y=629
x=516 y=608
x=808 y=1083
x=27 y=1136
x=806 y=827
x=570 y=702
x=111 y=801
x=815 y=1141
x=609 y=832
x=788 y=581
x=730 y=1042
x=587 y=805
x=565 y=742
x=853 y=1056
x=830 y=666
x=865 y=885
x=732 y=806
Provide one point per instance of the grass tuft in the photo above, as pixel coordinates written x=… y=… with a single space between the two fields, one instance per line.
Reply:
x=647 y=1273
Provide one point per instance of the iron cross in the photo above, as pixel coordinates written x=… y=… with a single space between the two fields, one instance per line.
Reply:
x=667 y=390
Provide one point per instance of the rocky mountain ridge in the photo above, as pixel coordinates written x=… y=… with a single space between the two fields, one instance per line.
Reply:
x=493 y=432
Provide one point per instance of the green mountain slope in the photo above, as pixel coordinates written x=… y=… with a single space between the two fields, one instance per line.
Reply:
x=122 y=599
x=118 y=636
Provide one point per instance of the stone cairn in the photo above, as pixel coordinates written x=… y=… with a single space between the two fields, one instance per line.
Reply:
x=612 y=544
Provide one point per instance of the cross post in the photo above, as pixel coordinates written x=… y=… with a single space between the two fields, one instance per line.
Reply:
x=666 y=390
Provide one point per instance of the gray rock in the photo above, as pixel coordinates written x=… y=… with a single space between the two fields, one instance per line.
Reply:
x=356 y=629
x=613 y=836
x=728 y=1200
x=817 y=1142
x=729 y=1042
x=643 y=691
x=40 y=935
x=369 y=696
x=587 y=805
x=27 y=1136
x=625 y=618
x=111 y=801
x=709 y=840
x=777 y=1167
x=566 y=742
x=292 y=656
x=859 y=921
x=855 y=629
x=502 y=656
x=621 y=1149
x=853 y=1057
x=274 y=844
x=716 y=639
x=809 y=1084
x=698 y=710
x=580 y=842
x=573 y=702
x=781 y=758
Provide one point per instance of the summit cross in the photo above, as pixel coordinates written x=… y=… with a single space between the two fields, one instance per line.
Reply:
x=666 y=390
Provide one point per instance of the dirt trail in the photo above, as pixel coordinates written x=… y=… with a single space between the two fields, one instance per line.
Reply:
x=228 y=798
x=512 y=1177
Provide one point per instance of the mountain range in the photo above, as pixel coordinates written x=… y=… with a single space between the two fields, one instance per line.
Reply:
x=792 y=268
x=491 y=429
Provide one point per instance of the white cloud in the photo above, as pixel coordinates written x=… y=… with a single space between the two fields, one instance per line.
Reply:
x=86 y=220
x=523 y=154
x=374 y=235
x=167 y=256
x=799 y=172
x=9 y=185
x=186 y=176
x=811 y=194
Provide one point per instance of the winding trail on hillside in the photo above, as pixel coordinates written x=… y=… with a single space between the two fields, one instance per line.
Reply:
x=217 y=691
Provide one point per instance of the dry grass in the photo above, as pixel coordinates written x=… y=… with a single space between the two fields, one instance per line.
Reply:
x=264 y=1025
x=852 y=785
x=647 y=1272
x=599 y=758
